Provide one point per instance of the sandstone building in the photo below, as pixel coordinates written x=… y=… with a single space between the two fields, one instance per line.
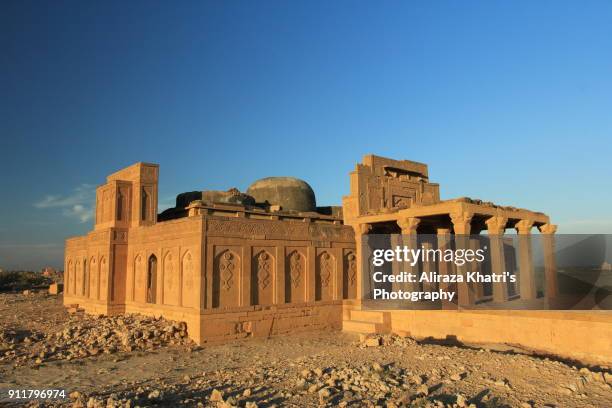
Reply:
x=227 y=263
x=269 y=261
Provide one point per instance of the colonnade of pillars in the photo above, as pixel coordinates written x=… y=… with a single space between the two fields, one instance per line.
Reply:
x=462 y=227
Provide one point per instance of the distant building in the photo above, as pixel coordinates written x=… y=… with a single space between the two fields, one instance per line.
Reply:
x=606 y=266
x=48 y=271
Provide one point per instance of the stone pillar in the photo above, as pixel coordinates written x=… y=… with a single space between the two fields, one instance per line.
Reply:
x=396 y=267
x=496 y=226
x=462 y=227
x=445 y=268
x=527 y=283
x=360 y=231
x=245 y=280
x=311 y=273
x=475 y=266
x=550 y=265
x=409 y=227
x=339 y=270
x=428 y=265
x=281 y=256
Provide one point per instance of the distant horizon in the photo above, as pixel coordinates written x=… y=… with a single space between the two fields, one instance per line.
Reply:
x=507 y=103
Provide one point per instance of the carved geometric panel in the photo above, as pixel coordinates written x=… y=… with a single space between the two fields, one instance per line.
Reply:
x=262 y=278
x=226 y=279
x=324 y=276
x=401 y=201
x=250 y=228
x=74 y=277
x=69 y=278
x=103 y=271
x=140 y=279
x=93 y=278
x=349 y=276
x=295 y=277
x=85 y=287
x=171 y=280
x=188 y=292
x=79 y=278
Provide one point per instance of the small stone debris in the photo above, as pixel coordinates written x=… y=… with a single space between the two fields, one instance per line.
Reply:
x=372 y=342
x=422 y=390
x=455 y=377
x=216 y=395
x=153 y=395
x=85 y=336
x=376 y=340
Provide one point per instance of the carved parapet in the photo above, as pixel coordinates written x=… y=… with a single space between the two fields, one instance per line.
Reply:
x=524 y=226
x=409 y=225
x=195 y=208
x=548 y=228
x=461 y=222
x=496 y=225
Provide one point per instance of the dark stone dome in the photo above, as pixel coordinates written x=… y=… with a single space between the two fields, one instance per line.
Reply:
x=290 y=193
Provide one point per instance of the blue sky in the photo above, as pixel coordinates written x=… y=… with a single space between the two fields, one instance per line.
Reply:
x=509 y=102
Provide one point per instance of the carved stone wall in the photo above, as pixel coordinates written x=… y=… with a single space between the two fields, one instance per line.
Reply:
x=381 y=184
x=220 y=261
x=273 y=229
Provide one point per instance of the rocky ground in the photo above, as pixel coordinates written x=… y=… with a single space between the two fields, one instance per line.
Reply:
x=135 y=361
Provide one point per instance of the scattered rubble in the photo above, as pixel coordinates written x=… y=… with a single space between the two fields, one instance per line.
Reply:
x=82 y=336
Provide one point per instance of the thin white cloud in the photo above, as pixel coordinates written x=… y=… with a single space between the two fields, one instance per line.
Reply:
x=79 y=204
x=79 y=211
x=82 y=193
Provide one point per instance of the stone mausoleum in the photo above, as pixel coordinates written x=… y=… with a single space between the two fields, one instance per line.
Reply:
x=269 y=261
x=230 y=264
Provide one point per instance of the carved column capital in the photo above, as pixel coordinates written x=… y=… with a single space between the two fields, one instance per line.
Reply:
x=496 y=225
x=523 y=227
x=461 y=222
x=362 y=229
x=443 y=231
x=548 y=228
x=408 y=225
